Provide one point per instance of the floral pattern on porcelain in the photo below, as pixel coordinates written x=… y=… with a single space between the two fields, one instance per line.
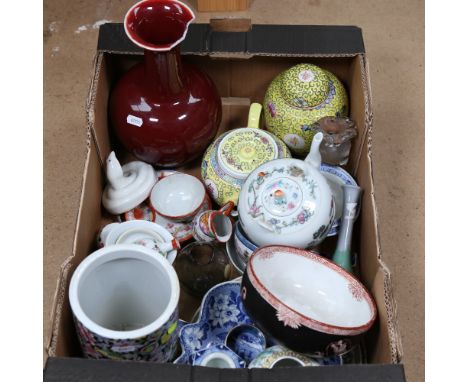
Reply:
x=158 y=346
x=290 y=118
x=278 y=201
x=222 y=185
x=221 y=311
x=269 y=357
x=182 y=231
x=247 y=341
x=245 y=149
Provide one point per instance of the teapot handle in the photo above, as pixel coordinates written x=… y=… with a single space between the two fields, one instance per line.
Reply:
x=314 y=158
x=227 y=208
x=254 y=115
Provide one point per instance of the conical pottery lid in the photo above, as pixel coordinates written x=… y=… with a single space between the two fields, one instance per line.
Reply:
x=304 y=85
x=128 y=185
x=244 y=149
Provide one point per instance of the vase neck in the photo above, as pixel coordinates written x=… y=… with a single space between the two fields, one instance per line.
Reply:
x=164 y=72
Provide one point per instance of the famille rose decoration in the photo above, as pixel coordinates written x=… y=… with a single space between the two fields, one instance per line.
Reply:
x=124 y=301
x=297 y=98
x=232 y=156
x=213 y=225
x=128 y=185
x=309 y=303
x=288 y=202
x=163 y=110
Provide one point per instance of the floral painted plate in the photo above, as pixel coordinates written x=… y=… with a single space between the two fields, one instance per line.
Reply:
x=221 y=310
x=337 y=177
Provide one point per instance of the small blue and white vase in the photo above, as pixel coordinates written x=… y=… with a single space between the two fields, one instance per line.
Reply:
x=218 y=356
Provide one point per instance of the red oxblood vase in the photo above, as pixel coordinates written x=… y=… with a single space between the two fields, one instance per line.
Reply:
x=163 y=110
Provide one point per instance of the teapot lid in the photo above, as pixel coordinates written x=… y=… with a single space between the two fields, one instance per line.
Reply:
x=304 y=86
x=243 y=150
x=128 y=185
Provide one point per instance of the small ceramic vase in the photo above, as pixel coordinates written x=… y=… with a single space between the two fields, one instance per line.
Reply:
x=279 y=356
x=128 y=185
x=337 y=177
x=233 y=155
x=164 y=110
x=200 y=266
x=299 y=97
x=247 y=341
x=219 y=356
x=337 y=135
x=288 y=202
x=213 y=225
x=351 y=198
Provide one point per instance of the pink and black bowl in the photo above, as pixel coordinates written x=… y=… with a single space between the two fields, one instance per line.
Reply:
x=303 y=300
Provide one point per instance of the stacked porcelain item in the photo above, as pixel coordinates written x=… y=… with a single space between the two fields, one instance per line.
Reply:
x=250 y=210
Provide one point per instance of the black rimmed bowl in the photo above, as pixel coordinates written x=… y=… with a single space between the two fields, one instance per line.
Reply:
x=304 y=300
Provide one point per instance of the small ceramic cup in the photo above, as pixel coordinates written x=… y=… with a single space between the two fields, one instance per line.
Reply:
x=124 y=302
x=247 y=341
x=178 y=196
x=219 y=356
x=213 y=225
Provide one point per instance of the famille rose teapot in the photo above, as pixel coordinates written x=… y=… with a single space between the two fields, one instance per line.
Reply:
x=288 y=202
x=299 y=97
x=233 y=155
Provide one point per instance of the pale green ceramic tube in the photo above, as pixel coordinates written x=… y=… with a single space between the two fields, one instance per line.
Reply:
x=342 y=255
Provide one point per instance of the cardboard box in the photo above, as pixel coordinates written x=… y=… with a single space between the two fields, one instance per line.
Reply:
x=222 y=5
x=242 y=64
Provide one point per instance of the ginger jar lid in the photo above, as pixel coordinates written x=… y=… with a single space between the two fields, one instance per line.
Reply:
x=304 y=86
x=244 y=149
x=128 y=185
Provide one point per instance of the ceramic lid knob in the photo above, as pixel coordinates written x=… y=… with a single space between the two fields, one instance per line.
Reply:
x=128 y=185
x=305 y=86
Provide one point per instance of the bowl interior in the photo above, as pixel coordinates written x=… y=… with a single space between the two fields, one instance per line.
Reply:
x=125 y=293
x=177 y=195
x=312 y=287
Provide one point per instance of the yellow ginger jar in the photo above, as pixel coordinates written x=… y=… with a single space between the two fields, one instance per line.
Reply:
x=299 y=97
x=230 y=159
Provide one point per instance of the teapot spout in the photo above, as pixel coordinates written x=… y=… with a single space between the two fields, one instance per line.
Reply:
x=314 y=158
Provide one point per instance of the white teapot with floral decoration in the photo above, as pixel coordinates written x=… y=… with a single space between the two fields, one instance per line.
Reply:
x=288 y=202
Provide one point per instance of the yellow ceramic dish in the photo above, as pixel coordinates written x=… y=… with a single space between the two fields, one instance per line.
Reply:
x=235 y=154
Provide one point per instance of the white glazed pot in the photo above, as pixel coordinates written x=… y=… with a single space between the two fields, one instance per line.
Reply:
x=124 y=301
x=288 y=202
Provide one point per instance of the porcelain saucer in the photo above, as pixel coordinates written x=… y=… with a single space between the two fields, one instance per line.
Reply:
x=337 y=177
x=239 y=262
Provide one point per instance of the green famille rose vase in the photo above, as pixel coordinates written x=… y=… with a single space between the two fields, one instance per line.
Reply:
x=230 y=159
x=299 y=97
